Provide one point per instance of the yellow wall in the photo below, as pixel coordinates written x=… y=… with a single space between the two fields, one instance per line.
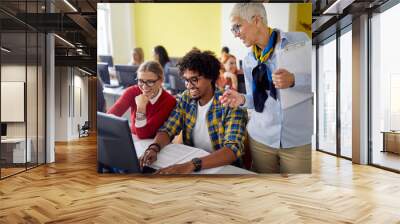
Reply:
x=300 y=18
x=178 y=27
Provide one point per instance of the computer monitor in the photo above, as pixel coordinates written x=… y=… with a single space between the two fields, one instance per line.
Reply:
x=177 y=84
x=3 y=129
x=102 y=72
x=126 y=74
x=114 y=131
x=108 y=59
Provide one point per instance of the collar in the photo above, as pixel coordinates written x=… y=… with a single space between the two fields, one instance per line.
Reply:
x=216 y=105
x=283 y=38
x=154 y=99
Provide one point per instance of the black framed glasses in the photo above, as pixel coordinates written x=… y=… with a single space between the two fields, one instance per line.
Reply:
x=148 y=83
x=236 y=29
x=192 y=80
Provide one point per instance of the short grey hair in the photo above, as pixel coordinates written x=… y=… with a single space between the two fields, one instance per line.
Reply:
x=248 y=10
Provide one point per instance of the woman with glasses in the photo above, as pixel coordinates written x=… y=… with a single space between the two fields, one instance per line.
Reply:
x=150 y=104
x=281 y=125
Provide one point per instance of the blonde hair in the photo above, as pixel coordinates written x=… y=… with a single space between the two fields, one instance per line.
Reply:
x=152 y=66
x=139 y=51
x=248 y=10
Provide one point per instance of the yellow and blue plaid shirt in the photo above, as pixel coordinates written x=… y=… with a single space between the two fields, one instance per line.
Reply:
x=226 y=126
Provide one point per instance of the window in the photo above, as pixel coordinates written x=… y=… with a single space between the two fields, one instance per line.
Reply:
x=346 y=94
x=385 y=88
x=103 y=29
x=327 y=96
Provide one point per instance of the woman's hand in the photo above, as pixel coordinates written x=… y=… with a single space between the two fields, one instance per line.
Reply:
x=141 y=102
x=232 y=98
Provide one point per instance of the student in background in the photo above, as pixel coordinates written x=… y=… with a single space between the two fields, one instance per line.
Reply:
x=150 y=104
x=160 y=54
x=229 y=72
x=137 y=56
x=204 y=122
x=224 y=50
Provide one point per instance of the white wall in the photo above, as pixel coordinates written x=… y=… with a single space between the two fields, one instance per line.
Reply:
x=278 y=17
x=71 y=94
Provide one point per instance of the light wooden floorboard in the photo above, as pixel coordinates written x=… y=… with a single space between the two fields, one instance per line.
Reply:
x=70 y=191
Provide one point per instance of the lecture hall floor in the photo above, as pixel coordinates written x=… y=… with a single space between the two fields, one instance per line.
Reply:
x=70 y=191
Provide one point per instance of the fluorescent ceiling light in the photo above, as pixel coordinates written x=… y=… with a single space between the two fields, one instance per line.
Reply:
x=84 y=71
x=338 y=6
x=5 y=49
x=70 y=5
x=65 y=41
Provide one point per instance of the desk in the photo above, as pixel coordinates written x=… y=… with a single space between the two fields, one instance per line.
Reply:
x=13 y=150
x=391 y=141
x=111 y=96
x=181 y=154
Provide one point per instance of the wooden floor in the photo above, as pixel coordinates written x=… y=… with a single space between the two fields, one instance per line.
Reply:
x=70 y=191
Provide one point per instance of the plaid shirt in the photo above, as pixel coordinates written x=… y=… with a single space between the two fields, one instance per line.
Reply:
x=226 y=126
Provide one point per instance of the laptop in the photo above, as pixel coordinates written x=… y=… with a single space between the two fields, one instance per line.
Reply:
x=115 y=147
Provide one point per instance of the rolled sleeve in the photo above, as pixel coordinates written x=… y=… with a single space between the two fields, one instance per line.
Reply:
x=173 y=125
x=235 y=131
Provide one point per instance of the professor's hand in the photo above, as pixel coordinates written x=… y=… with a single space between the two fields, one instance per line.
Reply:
x=231 y=98
x=282 y=78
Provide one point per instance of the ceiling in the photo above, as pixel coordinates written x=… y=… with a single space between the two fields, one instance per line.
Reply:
x=74 y=22
x=332 y=15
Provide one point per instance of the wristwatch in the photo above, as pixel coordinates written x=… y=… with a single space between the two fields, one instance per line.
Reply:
x=197 y=164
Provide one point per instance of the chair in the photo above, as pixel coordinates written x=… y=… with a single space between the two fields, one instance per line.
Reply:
x=177 y=84
x=84 y=130
x=102 y=72
x=108 y=59
x=174 y=60
x=126 y=74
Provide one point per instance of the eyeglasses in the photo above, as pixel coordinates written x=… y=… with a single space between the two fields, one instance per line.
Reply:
x=236 y=29
x=148 y=83
x=193 y=80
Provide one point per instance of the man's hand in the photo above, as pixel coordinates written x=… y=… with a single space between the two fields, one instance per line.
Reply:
x=184 y=168
x=282 y=78
x=232 y=98
x=149 y=157
x=141 y=102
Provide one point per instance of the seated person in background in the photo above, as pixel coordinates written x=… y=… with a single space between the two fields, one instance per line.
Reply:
x=224 y=50
x=137 y=56
x=150 y=105
x=204 y=122
x=161 y=55
x=228 y=73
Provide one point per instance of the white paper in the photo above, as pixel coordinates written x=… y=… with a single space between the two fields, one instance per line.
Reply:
x=173 y=154
x=296 y=58
x=141 y=145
